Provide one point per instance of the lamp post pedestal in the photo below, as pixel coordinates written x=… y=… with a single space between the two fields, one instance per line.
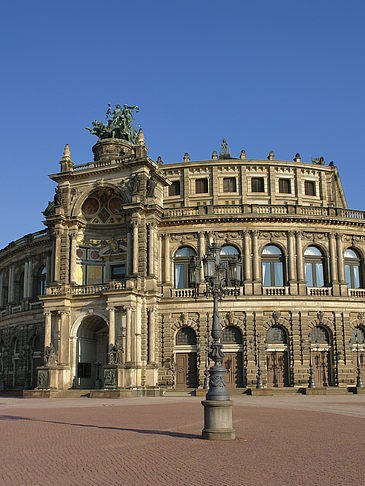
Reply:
x=218 y=420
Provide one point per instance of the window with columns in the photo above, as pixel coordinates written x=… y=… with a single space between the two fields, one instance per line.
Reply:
x=183 y=257
x=41 y=281
x=272 y=266
x=314 y=267
x=353 y=275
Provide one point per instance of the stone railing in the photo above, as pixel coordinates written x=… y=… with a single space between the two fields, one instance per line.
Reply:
x=264 y=209
x=87 y=289
x=356 y=293
x=272 y=291
x=192 y=293
x=319 y=291
x=26 y=239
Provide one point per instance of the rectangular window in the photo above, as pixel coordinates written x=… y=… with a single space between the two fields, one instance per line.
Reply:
x=309 y=274
x=348 y=275
x=310 y=188
x=174 y=189
x=179 y=276
x=201 y=186
x=229 y=184
x=257 y=184
x=266 y=274
x=284 y=186
x=319 y=275
x=117 y=272
x=278 y=266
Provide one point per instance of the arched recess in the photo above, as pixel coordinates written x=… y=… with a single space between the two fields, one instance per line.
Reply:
x=36 y=358
x=232 y=340
x=182 y=258
x=277 y=357
x=321 y=340
x=90 y=336
x=185 y=358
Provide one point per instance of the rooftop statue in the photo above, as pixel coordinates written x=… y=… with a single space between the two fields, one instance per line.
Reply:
x=120 y=124
x=224 y=152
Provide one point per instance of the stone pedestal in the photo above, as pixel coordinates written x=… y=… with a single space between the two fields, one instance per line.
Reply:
x=218 y=420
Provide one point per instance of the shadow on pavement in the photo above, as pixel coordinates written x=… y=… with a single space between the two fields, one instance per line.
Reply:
x=169 y=433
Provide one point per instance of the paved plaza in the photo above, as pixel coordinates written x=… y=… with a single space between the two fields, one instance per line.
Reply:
x=294 y=440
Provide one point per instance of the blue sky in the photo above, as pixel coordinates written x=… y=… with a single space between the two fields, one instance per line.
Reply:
x=286 y=76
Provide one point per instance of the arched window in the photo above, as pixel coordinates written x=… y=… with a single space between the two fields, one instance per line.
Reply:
x=320 y=335
x=41 y=281
x=19 y=288
x=314 y=267
x=276 y=335
x=231 y=334
x=228 y=253
x=358 y=335
x=186 y=335
x=183 y=257
x=352 y=269
x=272 y=266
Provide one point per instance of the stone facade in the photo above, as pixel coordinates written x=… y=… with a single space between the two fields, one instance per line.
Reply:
x=103 y=296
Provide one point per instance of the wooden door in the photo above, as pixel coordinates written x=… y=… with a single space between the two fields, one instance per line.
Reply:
x=277 y=368
x=321 y=368
x=186 y=370
x=233 y=364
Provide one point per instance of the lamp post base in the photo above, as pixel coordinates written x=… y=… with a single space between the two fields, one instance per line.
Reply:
x=218 y=420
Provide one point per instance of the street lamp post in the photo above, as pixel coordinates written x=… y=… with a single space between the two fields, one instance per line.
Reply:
x=27 y=367
x=311 y=382
x=206 y=370
x=3 y=355
x=217 y=405
x=356 y=341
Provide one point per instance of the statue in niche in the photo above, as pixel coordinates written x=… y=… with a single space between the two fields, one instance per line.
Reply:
x=151 y=186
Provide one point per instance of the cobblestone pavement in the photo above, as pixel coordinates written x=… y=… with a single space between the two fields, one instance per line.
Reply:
x=290 y=440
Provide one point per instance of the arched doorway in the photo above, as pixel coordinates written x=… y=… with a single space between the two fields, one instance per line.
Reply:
x=36 y=358
x=233 y=359
x=91 y=351
x=321 y=345
x=277 y=357
x=186 y=359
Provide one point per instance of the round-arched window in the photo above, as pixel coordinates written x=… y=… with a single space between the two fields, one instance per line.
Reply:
x=186 y=335
x=183 y=257
x=272 y=266
x=229 y=250
x=358 y=335
x=314 y=267
x=352 y=269
x=231 y=334
x=276 y=335
x=320 y=335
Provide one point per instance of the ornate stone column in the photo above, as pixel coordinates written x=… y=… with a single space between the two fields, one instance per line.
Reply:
x=300 y=264
x=64 y=341
x=135 y=247
x=247 y=263
x=57 y=250
x=30 y=279
x=73 y=238
x=129 y=334
x=167 y=277
x=138 y=332
x=340 y=265
x=333 y=266
x=291 y=262
x=111 y=326
x=129 y=269
x=11 y=284
x=151 y=249
x=25 y=280
x=256 y=263
x=151 y=335
x=47 y=329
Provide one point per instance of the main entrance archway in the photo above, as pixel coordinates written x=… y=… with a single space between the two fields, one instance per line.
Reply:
x=91 y=351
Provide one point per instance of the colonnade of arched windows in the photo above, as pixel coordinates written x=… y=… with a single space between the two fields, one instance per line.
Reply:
x=273 y=266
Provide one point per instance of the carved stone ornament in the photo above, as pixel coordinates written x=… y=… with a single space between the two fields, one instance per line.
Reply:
x=230 y=317
x=43 y=379
x=110 y=377
x=320 y=316
x=50 y=357
x=276 y=316
x=361 y=316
